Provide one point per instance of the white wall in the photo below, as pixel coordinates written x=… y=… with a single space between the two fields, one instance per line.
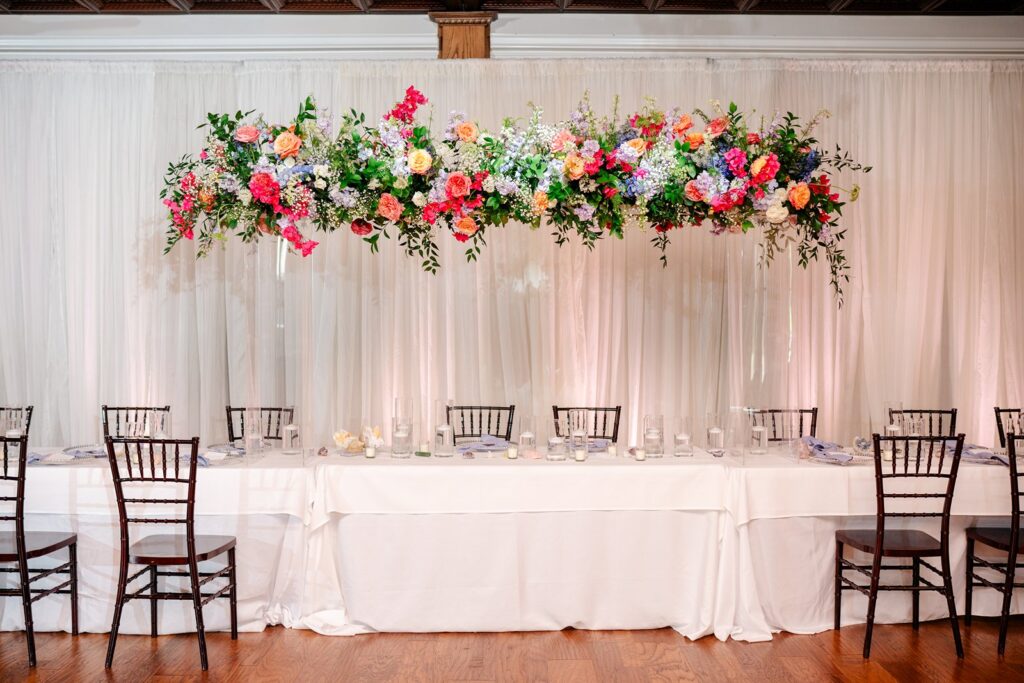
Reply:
x=513 y=35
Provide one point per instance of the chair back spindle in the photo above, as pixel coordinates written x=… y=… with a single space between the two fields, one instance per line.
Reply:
x=122 y=421
x=934 y=422
x=604 y=422
x=785 y=424
x=472 y=422
x=272 y=422
x=1009 y=420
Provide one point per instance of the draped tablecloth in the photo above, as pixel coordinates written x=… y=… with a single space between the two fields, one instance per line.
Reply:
x=784 y=515
x=262 y=501
x=737 y=547
x=495 y=545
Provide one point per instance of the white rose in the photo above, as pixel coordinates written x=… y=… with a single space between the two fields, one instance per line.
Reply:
x=488 y=184
x=419 y=199
x=289 y=162
x=776 y=213
x=321 y=170
x=320 y=184
x=245 y=197
x=401 y=182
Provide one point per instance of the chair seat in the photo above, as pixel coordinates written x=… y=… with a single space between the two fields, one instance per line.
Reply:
x=895 y=543
x=173 y=548
x=995 y=537
x=37 y=544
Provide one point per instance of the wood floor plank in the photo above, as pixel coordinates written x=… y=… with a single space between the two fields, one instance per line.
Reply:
x=569 y=656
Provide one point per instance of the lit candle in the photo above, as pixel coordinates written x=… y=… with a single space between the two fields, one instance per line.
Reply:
x=611 y=450
x=580 y=455
x=371 y=452
x=424 y=447
x=641 y=454
x=715 y=439
x=512 y=453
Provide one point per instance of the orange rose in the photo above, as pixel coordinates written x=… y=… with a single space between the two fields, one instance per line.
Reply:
x=695 y=140
x=389 y=207
x=457 y=185
x=467 y=226
x=574 y=167
x=206 y=199
x=541 y=203
x=467 y=131
x=684 y=124
x=693 y=193
x=287 y=145
x=799 y=195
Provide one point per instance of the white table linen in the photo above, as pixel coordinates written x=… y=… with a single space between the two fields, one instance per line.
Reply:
x=262 y=501
x=735 y=547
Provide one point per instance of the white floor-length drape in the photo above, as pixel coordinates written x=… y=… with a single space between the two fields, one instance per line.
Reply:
x=93 y=312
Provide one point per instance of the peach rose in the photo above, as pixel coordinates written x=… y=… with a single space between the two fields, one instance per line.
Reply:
x=389 y=207
x=467 y=131
x=287 y=145
x=717 y=127
x=799 y=195
x=541 y=203
x=684 y=124
x=457 y=185
x=561 y=139
x=574 y=167
x=757 y=165
x=467 y=226
x=420 y=161
x=695 y=140
x=638 y=145
x=247 y=134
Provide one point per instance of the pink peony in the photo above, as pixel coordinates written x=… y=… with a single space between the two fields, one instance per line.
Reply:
x=389 y=207
x=457 y=185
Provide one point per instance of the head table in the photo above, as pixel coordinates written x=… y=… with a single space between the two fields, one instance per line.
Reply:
x=737 y=546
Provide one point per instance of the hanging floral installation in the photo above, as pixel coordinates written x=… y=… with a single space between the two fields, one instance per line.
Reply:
x=588 y=176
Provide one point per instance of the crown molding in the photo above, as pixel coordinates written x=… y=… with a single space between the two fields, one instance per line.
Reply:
x=507 y=46
x=733 y=46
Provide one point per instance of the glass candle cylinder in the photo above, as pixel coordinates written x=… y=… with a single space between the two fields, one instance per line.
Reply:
x=758 y=439
x=654 y=431
x=290 y=442
x=682 y=441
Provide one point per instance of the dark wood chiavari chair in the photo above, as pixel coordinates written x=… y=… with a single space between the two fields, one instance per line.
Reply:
x=472 y=422
x=24 y=415
x=936 y=422
x=1005 y=539
x=604 y=422
x=916 y=461
x=785 y=424
x=144 y=463
x=20 y=546
x=1009 y=420
x=116 y=419
x=272 y=422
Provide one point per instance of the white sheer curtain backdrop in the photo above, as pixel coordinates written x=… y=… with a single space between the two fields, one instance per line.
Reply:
x=93 y=312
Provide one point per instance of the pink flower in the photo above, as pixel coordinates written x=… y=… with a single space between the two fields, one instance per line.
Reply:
x=736 y=160
x=457 y=185
x=389 y=207
x=307 y=247
x=203 y=155
x=265 y=189
x=717 y=127
x=247 y=134
x=610 y=192
x=753 y=138
x=560 y=140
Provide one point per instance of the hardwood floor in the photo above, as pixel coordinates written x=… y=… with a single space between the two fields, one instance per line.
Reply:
x=568 y=656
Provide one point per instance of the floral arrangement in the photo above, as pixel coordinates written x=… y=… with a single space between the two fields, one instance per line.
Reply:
x=588 y=176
